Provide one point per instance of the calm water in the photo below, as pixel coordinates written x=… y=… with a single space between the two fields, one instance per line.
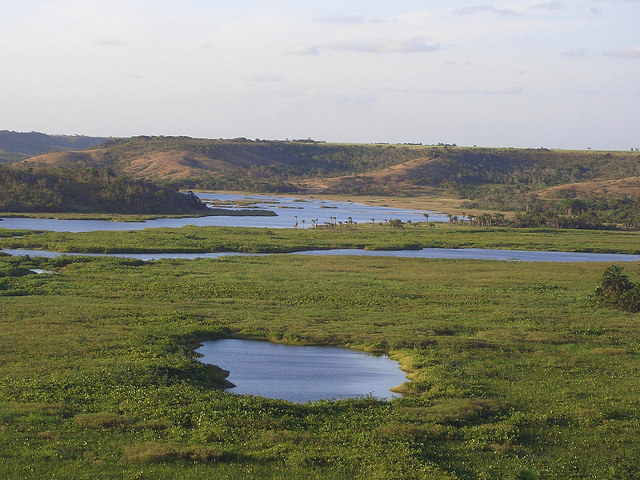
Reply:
x=302 y=374
x=467 y=253
x=287 y=210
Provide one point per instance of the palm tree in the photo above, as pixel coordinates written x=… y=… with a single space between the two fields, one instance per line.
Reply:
x=426 y=218
x=614 y=282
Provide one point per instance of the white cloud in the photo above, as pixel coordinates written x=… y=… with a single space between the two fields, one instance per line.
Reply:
x=406 y=45
x=264 y=79
x=575 y=52
x=108 y=42
x=359 y=100
x=629 y=52
x=462 y=91
x=341 y=19
x=376 y=46
x=477 y=9
x=303 y=50
x=502 y=91
x=554 y=5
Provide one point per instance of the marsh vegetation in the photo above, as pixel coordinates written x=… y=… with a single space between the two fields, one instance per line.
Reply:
x=515 y=369
x=363 y=236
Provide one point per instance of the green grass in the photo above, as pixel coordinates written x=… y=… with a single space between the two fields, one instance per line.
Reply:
x=378 y=237
x=514 y=368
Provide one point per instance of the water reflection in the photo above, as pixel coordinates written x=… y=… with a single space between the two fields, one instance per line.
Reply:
x=302 y=374
x=289 y=212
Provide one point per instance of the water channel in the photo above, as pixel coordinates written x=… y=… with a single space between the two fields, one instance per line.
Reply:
x=302 y=373
x=289 y=212
x=460 y=253
x=298 y=374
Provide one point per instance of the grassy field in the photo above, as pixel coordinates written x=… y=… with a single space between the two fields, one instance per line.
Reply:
x=515 y=372
x=372 y=237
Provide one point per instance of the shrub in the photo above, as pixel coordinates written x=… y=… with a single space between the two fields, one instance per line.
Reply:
x=156 y=452
x=101 y=420
x=527 y=475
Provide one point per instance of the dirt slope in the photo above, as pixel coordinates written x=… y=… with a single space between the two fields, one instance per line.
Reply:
x=629 y=186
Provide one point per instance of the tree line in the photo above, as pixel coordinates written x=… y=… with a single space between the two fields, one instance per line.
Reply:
x=88 y=191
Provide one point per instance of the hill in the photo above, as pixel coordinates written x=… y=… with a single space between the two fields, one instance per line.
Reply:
x=231 y=164
x=629 y=186
x=88 y=190
x=15 y=146
x=489 y=177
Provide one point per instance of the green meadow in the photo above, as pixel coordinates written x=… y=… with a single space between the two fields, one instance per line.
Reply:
x=371 y=237
x=515 y=372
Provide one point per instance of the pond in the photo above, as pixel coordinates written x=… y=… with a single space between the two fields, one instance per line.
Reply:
x=462 y=253
x=302 y=373
x=289 y=211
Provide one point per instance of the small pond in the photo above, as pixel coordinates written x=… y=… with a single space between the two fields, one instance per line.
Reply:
x=302 y=373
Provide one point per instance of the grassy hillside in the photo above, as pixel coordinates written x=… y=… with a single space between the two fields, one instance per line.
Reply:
x=231 y=164
x=15 y=146
x=487 y=176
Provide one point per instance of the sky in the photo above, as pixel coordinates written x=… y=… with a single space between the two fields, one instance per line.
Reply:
x=539 y=73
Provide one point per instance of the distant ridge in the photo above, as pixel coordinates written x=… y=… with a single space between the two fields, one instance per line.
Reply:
x=15 y=146
x=494 y=178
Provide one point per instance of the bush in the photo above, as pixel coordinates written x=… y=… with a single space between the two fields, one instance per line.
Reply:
x=156 y=452
x=527 y=475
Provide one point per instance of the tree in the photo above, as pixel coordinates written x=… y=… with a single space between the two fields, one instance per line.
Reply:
x=614 y=282
x=617 y=291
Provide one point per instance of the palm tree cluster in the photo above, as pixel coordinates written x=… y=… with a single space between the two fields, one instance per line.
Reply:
x=617 y=291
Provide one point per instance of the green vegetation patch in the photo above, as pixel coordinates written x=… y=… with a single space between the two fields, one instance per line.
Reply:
x=87 y=190
x=371 y=237
x=515 y=370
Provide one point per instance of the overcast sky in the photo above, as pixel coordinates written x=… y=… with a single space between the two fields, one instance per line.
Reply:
x=539 y=73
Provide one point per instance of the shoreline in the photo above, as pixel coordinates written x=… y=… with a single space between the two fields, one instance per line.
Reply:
x=433 y=202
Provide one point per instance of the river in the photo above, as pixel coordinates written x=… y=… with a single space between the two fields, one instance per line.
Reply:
x=460 y=253
x=289 y=212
